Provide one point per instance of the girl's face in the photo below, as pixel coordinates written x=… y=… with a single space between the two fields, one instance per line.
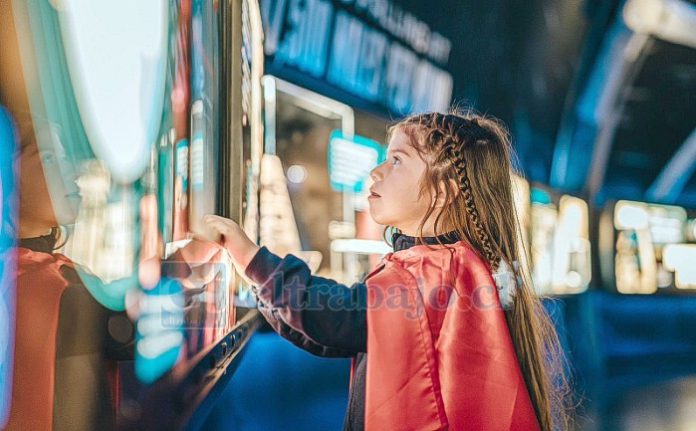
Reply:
x=395 y=198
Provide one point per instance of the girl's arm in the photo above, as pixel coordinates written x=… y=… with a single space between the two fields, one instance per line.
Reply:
x=315 y=313
x=311 y=311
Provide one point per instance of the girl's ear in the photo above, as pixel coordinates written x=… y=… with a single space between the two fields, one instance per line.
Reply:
x=446 y=197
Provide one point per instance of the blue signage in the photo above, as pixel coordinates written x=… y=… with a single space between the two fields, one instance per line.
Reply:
x=375 y=51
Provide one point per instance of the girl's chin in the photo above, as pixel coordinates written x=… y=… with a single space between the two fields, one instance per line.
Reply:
x=374 y=215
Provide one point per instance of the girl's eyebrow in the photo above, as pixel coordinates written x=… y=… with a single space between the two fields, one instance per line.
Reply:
x=399 y=150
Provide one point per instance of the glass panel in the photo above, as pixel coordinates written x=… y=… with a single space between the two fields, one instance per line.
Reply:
x=120 y=159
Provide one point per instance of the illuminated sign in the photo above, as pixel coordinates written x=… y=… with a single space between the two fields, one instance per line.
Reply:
x=351 y=160
x=560 y=246
x=644 y=259
x=392 y=58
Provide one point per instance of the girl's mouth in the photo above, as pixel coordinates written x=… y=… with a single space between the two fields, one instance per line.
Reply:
x=373 y=195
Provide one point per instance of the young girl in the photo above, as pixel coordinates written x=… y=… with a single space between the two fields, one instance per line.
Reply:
x=433 y=347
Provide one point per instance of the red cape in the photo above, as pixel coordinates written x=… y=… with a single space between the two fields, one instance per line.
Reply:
x=440 y=355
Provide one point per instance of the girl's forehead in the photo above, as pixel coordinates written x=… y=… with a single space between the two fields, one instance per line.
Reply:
x=399 y=140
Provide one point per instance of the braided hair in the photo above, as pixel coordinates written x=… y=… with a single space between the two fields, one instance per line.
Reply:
x=475 y=133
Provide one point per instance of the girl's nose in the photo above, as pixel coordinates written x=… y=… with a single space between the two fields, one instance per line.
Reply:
x=375 y=173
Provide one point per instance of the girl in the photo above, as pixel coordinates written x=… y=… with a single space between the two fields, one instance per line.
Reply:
x=433 y=347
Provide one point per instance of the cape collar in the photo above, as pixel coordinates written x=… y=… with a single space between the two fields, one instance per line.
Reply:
x=43 y=244
x=401 y=241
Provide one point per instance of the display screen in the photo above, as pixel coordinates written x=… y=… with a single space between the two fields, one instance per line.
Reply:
x=644 y=233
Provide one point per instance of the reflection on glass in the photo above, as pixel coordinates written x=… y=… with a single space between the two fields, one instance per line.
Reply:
x=115 y=104
x=159 y=329
x=117 y=76
x=205 y=110
x=66 y=336
x=102 y=228
x=180 y=224
x=54 y=116
x=150 y=238
x=123 y=127
x=180 y=27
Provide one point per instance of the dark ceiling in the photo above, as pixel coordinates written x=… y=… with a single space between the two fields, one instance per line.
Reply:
x=659 y=114
x=515 y=60
x=528 y=62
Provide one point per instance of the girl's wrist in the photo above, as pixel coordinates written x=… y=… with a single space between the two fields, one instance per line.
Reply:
x=242 y=253
x=249 y=254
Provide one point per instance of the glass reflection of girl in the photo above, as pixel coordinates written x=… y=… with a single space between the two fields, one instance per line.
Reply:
x=66 y=341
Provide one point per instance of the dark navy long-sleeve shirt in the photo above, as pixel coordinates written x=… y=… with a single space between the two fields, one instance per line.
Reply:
x=319 y=315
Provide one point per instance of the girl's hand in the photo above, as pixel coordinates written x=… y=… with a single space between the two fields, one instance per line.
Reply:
x=234 y=239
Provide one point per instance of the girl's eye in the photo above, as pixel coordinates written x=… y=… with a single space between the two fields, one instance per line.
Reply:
x=396 y=160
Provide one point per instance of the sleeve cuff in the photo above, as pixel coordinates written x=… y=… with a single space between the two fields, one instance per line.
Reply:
x=262 y=266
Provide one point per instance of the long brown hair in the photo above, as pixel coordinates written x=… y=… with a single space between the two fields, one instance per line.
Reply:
x=475 y=153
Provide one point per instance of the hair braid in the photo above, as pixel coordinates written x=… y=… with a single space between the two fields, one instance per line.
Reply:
x=456 y=140
x=451 y=133
x=472 y=212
